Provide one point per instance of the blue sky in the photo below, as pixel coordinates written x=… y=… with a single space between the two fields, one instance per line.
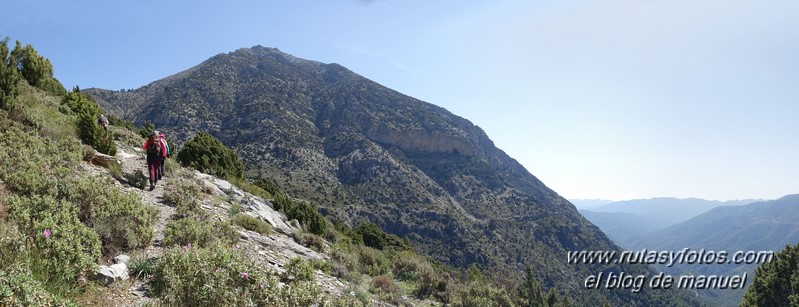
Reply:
x=612 y=99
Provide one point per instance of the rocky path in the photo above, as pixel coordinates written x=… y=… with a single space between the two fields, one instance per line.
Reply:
x=131 y=162
x=270 y=251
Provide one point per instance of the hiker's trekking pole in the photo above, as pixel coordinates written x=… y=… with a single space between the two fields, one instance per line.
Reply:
x=171 y=169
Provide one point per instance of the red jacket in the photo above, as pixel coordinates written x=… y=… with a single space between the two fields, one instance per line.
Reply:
x=163 y=146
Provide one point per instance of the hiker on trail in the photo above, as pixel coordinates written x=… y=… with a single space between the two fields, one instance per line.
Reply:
x=161 y=170
x=156 y=152
x=102 y=121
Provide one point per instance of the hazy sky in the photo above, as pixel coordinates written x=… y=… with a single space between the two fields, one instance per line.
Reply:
x=612 y=99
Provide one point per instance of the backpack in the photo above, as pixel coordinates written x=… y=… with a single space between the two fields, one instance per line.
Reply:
x=154 y=148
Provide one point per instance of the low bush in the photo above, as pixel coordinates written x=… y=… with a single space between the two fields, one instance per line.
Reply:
x=61 y=249
x=406 y=265
x=184 y=195
x=217 y=276
x=137 y=179
x=313 y=241
x=299 y=270
x=18 y=287
x=385 y=289
x=190 y=231
x=31 y=164
x=120 y=219
x=481 y=294
x=372 y=262
x=374 y=236
x=207 y=154
x=252 y=223
x=308 y=216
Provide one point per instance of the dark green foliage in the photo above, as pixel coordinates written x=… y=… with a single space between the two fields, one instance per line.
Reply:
x=776 y=283
x=269 y=186
x=373 y=236
x=89 y=131
x=308 y=216
x=9 y=77
x=36 y=69
x=148 y=129
x=529 y=291
x=302 y=211
x=190 y=231
x=118 y=121
x=207 y=154
x=137 y=179
x=252 y=223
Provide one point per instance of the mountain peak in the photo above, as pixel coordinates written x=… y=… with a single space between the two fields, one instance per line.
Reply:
x=362 y=151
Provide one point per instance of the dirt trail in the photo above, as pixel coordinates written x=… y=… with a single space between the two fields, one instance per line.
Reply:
x=136 y=161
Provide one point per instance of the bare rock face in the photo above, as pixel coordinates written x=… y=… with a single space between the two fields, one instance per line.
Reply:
x=104 y=160
x=256 y=206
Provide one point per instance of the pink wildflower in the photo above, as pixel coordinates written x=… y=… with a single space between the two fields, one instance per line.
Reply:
x=46 y=233
x=262 y=285
x=244 y=275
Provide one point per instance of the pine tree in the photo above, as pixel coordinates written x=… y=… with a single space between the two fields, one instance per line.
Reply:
x=9 y=77
x=776 y=283
x=36 y=69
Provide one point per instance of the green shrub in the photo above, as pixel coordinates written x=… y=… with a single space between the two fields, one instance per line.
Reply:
x=776 y=282
x=217 y=276
x=9 y=77
x=431 y=282
x=184 y=195
x=120 y=219
x=269 y=186
x=373 y=236
x=252 y=223
x=87 y=112
x=313 y=241
x=137 y=179
x=18 y=287
x=36 y=69
x=34 y=165
x=308 y=216
x=208 y=155
x=141 y=267
x=63 y=249
x=299 y=270
x=12 y=244
x=385 y=289
x=481 y=294
x=190 y=231
x=406 y=265
x=372 y=262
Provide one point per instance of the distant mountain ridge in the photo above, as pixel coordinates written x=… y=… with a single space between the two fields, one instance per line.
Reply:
x=626 y=222
x=363 y=151
x=668 y=209
x=759 y=226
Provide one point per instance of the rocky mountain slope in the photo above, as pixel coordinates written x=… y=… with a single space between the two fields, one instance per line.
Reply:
x=359 y=150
